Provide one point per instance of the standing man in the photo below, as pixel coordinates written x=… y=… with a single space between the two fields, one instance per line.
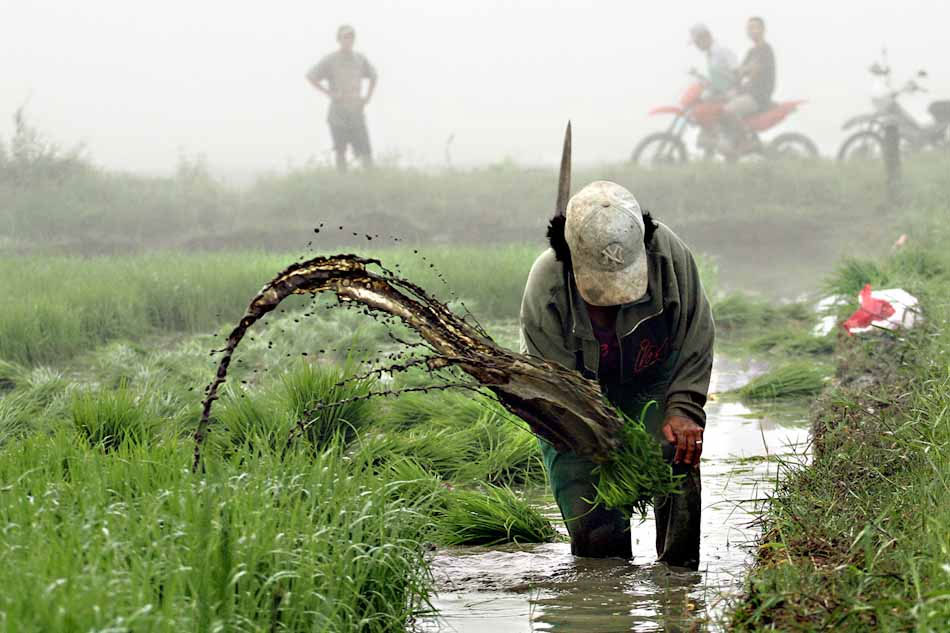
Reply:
x=757 y=77
x=343 y=72
x=618 y=297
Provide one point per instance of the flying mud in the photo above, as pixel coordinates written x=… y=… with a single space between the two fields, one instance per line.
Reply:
x=558 y=404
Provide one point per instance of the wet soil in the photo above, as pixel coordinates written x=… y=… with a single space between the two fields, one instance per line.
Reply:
x=544 y=588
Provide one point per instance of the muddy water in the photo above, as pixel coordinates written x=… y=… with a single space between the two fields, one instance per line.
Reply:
x=543 y=588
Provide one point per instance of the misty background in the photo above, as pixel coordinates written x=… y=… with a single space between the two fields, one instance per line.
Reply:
x=143 y=84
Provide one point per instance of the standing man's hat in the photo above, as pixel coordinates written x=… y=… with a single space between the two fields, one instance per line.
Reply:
x=604 y=230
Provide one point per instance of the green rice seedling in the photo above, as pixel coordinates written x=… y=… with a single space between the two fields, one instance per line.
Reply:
x=490 y=516
x=308 y=386
x=109 y=419
x=253 y=421
x=412 y=484
x=637 y=473
x=503 y=452
x=851 y=275
x=444 y=452
x=443 y=408
x=12 y=375
x=46 y=386
x=797 y=343
x=133 y=541
x=796 y=379
x=738 y=312
x=17 y=417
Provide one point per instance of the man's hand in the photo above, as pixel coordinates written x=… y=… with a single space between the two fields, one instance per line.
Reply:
x=687 y=436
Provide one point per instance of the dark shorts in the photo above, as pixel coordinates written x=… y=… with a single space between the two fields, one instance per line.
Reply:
x=350 y=129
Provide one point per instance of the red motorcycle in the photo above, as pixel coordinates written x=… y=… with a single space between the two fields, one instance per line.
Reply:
x=669 y=147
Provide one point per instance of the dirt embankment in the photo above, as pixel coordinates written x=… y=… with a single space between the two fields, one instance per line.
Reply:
x=846 y=533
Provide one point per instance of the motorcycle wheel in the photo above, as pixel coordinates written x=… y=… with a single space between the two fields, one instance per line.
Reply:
x=792 y=145
x=863 y=145
x=660 y=148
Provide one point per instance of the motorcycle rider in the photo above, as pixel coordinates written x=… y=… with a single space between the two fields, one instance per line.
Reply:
x=721 y=63
x=757 y=83
x=721 y=67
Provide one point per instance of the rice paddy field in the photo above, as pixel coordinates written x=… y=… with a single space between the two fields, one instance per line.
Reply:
x=118 y=288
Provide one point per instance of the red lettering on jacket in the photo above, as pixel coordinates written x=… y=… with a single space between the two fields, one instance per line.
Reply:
x=650 y=354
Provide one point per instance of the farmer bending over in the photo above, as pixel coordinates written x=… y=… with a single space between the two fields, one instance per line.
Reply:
x=618 y=297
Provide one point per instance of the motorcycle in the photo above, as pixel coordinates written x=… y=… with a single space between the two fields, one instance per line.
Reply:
x=694 y=110
x=868 y=141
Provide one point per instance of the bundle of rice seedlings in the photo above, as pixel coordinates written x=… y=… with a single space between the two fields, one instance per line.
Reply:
x=308 y=386
x=736 y=311
x=416 y=408
x=411 y=484
x=490 y=516
x=108 y=419
x=253 y=422
x=792 y=380
x=802 y=343
x=504 y=452
x=637 y=473
x=12 y=375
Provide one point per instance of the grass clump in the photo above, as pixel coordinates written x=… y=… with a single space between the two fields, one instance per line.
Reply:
x=109 y=419
x=796 y=379
x=253 y=422
x=637 y=473
x=310 y=391
x=490 y=516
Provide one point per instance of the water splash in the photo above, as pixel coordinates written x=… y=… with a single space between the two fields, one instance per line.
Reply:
x=558 y=404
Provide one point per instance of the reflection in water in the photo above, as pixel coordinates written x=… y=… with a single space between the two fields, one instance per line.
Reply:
x=544 y=588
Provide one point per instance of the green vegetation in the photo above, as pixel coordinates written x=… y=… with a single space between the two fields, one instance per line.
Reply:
x=637 y=473
x=317 y=517
x=795 y=379
x=67 y=305
x=51 y=201
x=129 y=539
x=856 y=539
x=490 y=516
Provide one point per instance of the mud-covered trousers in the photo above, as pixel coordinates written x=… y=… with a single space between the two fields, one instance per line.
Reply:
x=600 y=533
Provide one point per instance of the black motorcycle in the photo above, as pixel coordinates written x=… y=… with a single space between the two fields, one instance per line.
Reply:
x=868 y=140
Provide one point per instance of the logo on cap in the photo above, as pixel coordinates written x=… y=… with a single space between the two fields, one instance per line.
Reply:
x=612 y=253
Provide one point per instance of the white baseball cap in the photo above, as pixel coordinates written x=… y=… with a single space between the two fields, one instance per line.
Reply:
x=604 y=230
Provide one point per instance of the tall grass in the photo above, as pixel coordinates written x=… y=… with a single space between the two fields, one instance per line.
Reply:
x=64 y=306
x=52 y=200
x=132 y=540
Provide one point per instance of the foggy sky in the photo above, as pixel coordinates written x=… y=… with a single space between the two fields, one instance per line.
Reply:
x=141 y=84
